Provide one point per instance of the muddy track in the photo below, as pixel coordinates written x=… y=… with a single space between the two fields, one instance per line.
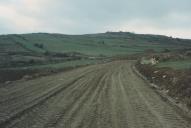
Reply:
x=100 y=96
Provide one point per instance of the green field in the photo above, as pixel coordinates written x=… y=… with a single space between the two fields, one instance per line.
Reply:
x=61 y=65
x=23 y=54
x=108 y=44
x=23 y=49
x=73 y=63
x=181 y=64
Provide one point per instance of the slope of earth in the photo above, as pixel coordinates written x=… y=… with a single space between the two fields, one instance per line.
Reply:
x=17 y=52
x=108 y=44
x=98 y=96
x=11 y=50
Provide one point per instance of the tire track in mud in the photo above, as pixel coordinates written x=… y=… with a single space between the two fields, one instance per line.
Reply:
x=138 y=112
x=68 y=90
x=120 y=108
x=13 y=97
x=74 y=106
x=150 y=107
x=52 y=100
x=57 y=116
x=79 y=106
x=39 y=100
x=104 y=110
x=74 y=114
x=92 y=114
x=100 y=96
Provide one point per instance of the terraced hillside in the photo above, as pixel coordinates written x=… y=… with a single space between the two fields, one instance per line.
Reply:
x=9 y=45
x=108 y=44
x=100 y=96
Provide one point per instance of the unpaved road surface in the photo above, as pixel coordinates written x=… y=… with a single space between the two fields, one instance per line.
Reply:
x=100 y=96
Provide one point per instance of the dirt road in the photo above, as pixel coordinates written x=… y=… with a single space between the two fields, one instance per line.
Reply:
x=99 y=96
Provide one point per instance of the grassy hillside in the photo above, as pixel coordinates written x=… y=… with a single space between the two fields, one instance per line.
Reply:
x=40 y=48
x=33 y=53
x=8 y=44
x=108 y=44
x=179 y=64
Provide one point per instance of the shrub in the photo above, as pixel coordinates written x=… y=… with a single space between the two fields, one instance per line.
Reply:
x=41 y=46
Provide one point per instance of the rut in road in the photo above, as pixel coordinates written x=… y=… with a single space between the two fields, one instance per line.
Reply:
x=99 y=96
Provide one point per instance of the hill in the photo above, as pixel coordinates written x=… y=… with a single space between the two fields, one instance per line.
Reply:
x=109 y=44
x=35 y=48
x=38 y=52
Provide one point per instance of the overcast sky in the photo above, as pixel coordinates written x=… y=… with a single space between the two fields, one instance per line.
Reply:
x=166 y=17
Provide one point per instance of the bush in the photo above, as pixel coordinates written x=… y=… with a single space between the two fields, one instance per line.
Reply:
x=41 y=46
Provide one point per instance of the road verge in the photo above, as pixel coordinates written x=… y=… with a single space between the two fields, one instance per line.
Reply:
x=179 y=106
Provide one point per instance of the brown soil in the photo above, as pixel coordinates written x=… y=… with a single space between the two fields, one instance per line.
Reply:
x=100 y=96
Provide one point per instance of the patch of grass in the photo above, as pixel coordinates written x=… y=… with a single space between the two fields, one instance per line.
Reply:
x=180 y=64
x=12 y=74
x=72 y=63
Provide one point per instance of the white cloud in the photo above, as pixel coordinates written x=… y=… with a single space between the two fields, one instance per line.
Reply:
x=10 y=16
x=150 y=27
x=170 y=17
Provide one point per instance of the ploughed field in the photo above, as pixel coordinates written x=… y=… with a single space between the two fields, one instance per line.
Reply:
x=99 y=96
